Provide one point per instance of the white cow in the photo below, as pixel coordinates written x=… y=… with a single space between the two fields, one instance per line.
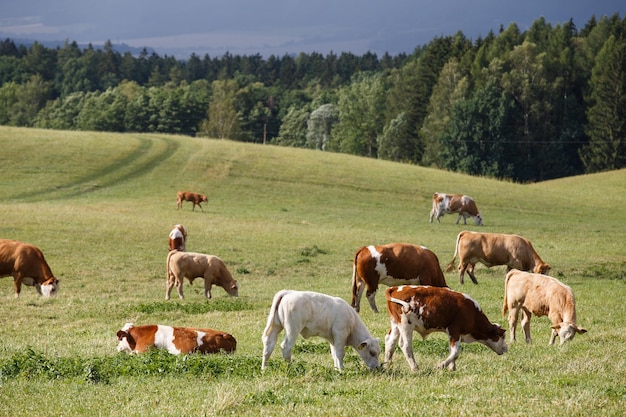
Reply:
x=313 y=314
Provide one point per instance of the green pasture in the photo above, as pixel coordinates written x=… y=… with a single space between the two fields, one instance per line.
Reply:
x=101 y=205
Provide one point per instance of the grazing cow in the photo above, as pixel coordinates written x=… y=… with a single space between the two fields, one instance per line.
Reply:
x=393 y=264
x=191 y=265
x=540 y=295
x=177 y=340
x=27 y=265
x=314 y=314
x=493 y=249
x=428 y=309
x=455 y=203
x=178 y=238
x=195 y=199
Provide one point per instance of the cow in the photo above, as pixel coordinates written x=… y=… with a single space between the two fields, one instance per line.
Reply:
x=192 y=265
x=194 y=198
x=490 y=249
x=176 y=340
x=178 y=238
x=392 y=264
x=427 y=309
x=27 y=265
x=310 y=314
x=455 y=203
x=540 y=295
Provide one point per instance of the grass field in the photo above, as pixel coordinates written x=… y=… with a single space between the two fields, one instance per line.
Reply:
x=100 y=206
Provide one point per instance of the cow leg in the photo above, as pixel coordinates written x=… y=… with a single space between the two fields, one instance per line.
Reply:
x=455 y=351
x=288 y=343
x=208 y=282
x=338 y=351
x=270 y=336
x=470 y=272
x=200 y=205
x=406 y=344
x=553 y=336
x=17 y=284
x=391 y=341
x=179 y=287
x=513 y=315
x=462 y=268
x=526 y=315
x=371 y=297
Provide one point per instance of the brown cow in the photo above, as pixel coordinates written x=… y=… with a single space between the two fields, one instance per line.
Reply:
x=177 y=340
x=493 y=249
x=178 y=238
x=540 y=295
x=455 y=203
x=428 y=309
x=191 y=265
x=393 y=264
x=27 y=265
x=195 y=199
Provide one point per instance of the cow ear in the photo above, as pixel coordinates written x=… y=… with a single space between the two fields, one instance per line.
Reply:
x=121 y=334
x=581 y=330
x=556 y=326
x=362 y=346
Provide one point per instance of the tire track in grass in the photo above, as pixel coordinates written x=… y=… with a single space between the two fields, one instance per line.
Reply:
x=137 y=163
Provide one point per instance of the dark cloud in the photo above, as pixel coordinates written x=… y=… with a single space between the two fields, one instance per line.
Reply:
x=280 y=26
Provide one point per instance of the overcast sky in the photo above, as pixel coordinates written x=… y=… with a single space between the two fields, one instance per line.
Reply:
x=280 y=27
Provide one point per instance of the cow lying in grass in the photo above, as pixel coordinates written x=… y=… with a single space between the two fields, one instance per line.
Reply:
x=176 y=340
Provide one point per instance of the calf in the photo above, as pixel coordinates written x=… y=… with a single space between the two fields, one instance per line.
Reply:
x=393 y=264
x=455 y=203
x=28 y=266
x=177 y=340
x=195 y=199
x=191 y=265
x=178 y=238
x=428 y=309
x=540 y=295
x=491 y=249
x=314 y=314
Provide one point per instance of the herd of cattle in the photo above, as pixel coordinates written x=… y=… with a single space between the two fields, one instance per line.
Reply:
x=418 y=298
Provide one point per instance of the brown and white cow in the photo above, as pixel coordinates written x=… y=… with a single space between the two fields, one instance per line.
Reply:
x=428 y=309
x=27 y=265
x=393 y=264
x=192 y=265
x=311 y=314
x=540 y=295
x=194 y=198
x=455 y=203
x=177 y=239
x=176 y=340
x=493 y=249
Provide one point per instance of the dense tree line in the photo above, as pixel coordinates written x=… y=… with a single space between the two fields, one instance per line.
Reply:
x=528 y=106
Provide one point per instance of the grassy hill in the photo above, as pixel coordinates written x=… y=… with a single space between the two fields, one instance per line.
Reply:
x=101 y=205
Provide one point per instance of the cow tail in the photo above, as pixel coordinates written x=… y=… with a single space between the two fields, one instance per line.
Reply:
x=356 y=257
x=275 y=303
x=169 y=255
x=450 y=266
x=505 y=304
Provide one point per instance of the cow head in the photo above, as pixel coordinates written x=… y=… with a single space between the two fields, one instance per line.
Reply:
x=233 y=289
x=495 y=340
x=50 y=287
x=567 y=331
x=126 y=342
x=478 y=219
x=369 y=350
x=542 y=268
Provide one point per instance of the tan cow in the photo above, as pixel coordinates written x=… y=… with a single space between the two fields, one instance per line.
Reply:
x=426 y=309
x=393 y=264
x=176 y=340
x=194 y=198
x=191 y=265
x=540 y=295
x=27 y=265
x=455 y=203
x=177 y=239
x=493 y=249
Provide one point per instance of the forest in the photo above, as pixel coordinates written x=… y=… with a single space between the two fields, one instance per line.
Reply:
x=525 y=106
